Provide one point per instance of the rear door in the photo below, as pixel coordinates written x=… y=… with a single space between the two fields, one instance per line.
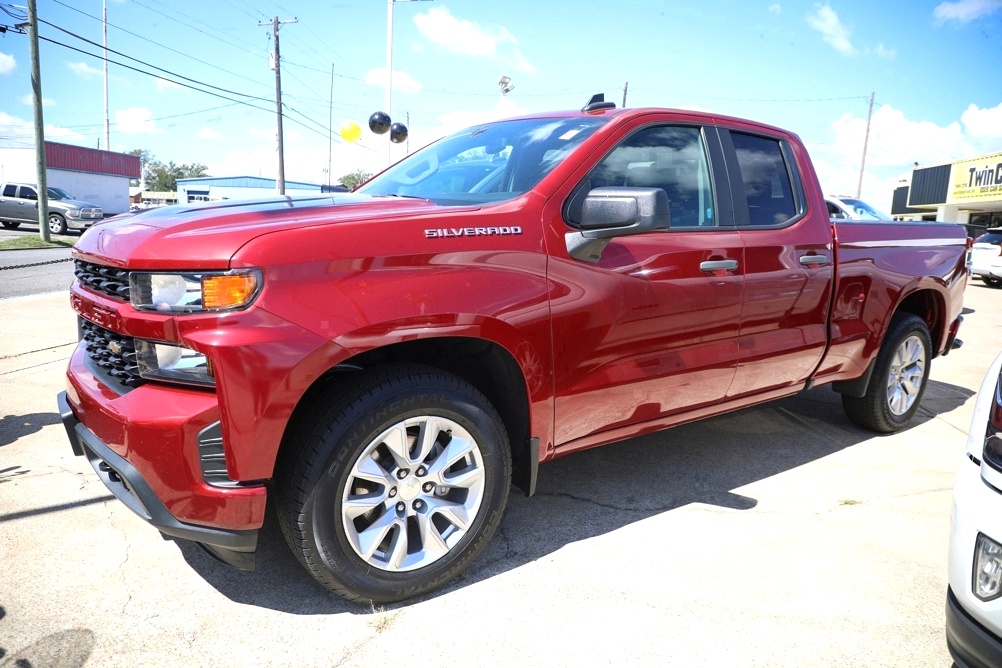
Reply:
x=650 y=329
x=788 y=266
x=26 y=209
x=8 y=203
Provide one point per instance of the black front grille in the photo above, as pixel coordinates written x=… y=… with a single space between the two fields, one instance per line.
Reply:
x=113 y=353
x=106 y=280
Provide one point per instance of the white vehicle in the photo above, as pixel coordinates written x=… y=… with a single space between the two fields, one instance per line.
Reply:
x=974 y=597
x=849 y=208
x=986 y=257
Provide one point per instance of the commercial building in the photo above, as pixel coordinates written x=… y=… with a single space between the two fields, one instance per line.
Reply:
x=91 y=175
x=212 y=188
x=966 y=191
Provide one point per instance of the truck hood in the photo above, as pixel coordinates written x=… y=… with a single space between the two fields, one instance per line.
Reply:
x=71 y=204
x=205 y=236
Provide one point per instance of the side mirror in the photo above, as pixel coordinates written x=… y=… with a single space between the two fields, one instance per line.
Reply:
x=607 y=213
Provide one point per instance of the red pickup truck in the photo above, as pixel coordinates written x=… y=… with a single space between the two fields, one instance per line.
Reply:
x=383 y=364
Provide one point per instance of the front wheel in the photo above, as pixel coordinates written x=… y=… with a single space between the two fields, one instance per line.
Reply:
x=394 y=484
x=992 y=282
x=899 y=378
x=9 y=225
x=57 y=224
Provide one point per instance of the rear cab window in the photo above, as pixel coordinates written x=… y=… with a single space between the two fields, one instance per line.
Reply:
x=771 y=187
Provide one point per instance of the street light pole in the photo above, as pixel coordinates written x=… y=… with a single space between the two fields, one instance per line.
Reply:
x=389 y=65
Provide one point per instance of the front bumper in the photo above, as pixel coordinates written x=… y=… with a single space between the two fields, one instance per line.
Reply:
x=971 y=645
x=155 y=449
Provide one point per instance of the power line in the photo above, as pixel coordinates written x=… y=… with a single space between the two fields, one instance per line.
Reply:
x=163 y=46
x=175 y=74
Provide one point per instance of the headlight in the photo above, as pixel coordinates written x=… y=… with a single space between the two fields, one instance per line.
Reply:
x=165 y=361
x=987 y=583
x=188 y=293
x=73 y=213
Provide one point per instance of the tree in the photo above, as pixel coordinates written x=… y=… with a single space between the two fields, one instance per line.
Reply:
x=355 y=178
x=163 y=177
x=145 y=157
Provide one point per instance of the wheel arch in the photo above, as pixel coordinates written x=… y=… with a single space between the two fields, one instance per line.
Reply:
x=930 y=305
x=485 y=364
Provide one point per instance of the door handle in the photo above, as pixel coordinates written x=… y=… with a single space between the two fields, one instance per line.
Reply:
x=813 y=260
x=718 y=265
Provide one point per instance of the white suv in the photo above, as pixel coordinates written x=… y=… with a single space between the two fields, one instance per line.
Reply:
x=850 y=208
x=974 y=597
x=986 y=257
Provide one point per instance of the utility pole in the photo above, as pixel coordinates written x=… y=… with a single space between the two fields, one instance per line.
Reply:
x=625 y=86
x=866 y=140
x=275 y=23
x=36 y=90
x=107 y=125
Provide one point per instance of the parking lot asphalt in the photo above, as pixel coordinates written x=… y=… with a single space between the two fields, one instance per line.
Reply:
x=779 y=535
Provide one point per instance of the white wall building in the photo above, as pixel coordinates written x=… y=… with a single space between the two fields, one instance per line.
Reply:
x=91 y=175
x=213 y=188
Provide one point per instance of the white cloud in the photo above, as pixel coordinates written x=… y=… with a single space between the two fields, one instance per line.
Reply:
x=164 y=84
x=7 y=63
x=135 y=120
x=467 y=38
x=895 y=144
x=775 y=9
x=29 y=100
x=965 y=11
x=402 y=82
x=208 y=133
x=457 y=120
x=826 y=21
x=85 y=71
x=885 y=52
x=261 y=133
x=24 y=131
x=983 y=123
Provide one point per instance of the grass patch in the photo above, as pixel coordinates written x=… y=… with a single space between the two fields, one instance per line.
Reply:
x=32 y=242
x=381 y=620
x=849 y=502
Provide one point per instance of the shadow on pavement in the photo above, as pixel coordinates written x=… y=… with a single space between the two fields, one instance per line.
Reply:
x=13 y=427
x=600 y=490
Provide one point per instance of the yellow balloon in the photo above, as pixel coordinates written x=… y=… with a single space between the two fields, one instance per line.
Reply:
x=351 y=131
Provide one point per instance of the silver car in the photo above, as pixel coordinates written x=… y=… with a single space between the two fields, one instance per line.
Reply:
x=19 y=204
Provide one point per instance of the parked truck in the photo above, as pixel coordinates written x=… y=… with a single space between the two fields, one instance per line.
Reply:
x=19 y=204
x=383 y=364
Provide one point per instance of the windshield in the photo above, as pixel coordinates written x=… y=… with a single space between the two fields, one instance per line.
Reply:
x=864 y=210
x=58 y=193
x=487 y=163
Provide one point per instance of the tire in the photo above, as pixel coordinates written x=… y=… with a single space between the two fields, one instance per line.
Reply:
x=899 y=378
x=9 y=225
x=992 y=282
x=373 y=519
x=57 y=224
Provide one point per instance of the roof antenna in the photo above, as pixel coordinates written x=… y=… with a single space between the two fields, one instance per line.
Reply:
x=597 y=102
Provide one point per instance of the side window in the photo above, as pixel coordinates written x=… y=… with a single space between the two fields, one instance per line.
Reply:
x=28 y=193
x=766 y=179
x=672 y=158
x=834 y=211
x=9 y=190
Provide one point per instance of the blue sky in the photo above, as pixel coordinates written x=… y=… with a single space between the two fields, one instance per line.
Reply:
x=805 y=66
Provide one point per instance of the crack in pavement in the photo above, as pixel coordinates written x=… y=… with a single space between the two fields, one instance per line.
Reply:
x=39 y=350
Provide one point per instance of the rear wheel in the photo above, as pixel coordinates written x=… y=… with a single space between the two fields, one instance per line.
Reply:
x=899 y=378
x=992 y=282
x=394 y=484
x=9 y=225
